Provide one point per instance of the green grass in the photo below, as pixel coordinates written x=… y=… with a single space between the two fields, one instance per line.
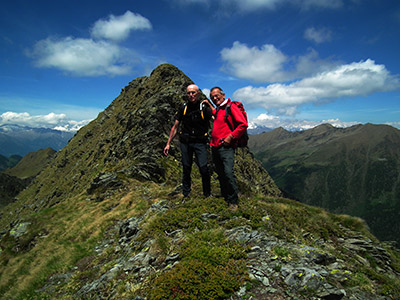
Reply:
x=210 y=266
x=60 y=237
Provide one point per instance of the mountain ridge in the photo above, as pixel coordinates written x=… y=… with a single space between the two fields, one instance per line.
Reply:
x=351 y=170
x=6 y=163
x=31 y=164
x=105 y=219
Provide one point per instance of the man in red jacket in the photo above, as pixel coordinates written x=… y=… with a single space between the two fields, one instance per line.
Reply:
x=223 y=143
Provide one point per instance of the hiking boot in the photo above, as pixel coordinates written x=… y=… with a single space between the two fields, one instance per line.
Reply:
x=185 y=197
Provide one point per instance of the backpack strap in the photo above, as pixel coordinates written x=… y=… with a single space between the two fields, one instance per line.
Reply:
x=201 y=110
x=227 y=113
x=185 y=109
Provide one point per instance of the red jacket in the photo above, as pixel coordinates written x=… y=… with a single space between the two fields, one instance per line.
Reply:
x=221 y=128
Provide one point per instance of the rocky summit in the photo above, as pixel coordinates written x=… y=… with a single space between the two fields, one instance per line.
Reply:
x=106 y=220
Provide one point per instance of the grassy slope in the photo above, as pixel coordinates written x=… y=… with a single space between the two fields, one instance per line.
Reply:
x=65 y=224
x=63 y=236
x=32 y=163
x=353 y=170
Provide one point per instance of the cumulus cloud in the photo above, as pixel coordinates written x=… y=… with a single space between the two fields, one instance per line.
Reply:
x=394 y=124
x=51 y=120
x=83 y=57
x=118 y=28
x=269 y=64
x=263 y=64
x=206 y=92
x=318 y=36
x=351 y=80
x=92 y=57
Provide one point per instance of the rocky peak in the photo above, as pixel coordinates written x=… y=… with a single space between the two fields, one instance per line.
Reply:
x=126 y=141
x=103 y=221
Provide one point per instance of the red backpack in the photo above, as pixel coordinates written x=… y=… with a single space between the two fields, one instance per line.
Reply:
x=242 y=141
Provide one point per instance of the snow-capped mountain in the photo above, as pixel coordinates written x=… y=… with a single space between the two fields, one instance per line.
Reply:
x=20 y=140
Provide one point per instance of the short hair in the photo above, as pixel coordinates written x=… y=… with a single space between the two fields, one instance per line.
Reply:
x=216 y=88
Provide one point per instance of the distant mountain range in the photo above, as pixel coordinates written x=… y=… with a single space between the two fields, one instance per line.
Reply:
x=353 y=170
x=20 y=140
x=257 y=129
x=105 y=219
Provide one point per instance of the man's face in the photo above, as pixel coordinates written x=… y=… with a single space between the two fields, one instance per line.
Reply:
x=192 y=93
x=217 y=97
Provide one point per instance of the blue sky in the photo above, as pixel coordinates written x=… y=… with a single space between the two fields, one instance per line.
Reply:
x=292 y=63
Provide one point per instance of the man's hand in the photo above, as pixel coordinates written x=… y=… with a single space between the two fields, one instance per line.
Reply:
x=206 y=101
x=166 y=149
x=228 y=140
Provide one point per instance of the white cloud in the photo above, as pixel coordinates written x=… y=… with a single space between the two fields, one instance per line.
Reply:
x=309 y=64
x=206 y=92
x=118 y=28
x=263 y=64
x=356 y=79
x=394 y=124
x=82 y=57
x=271 y=121
x=93 y=57
x=318 y=36
x=51 y=120
x=269 y=64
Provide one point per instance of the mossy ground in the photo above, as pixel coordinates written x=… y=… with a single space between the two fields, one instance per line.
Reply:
x=62 y=239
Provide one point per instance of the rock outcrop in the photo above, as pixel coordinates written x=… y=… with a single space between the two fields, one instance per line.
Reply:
x=105 y=220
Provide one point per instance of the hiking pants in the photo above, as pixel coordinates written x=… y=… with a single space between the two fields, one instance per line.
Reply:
x=224 y=158
x=201 y=159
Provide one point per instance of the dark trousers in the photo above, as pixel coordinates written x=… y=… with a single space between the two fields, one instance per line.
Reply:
x=224 y=159
x=201 y=159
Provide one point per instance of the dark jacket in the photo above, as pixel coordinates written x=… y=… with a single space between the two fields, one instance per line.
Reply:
x=194 y=122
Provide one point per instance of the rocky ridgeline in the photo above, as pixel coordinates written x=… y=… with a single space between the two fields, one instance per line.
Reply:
x=109 y=160
x=296 y=271
x=126 y=141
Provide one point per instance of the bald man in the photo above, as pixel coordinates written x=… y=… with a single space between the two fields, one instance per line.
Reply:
x=192 y=120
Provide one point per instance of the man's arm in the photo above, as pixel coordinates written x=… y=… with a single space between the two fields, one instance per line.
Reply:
x=241 y=125
x=172 y=134
x=207 y=102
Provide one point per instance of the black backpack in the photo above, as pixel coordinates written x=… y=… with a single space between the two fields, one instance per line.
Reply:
x=242 y=141
x=197 y=133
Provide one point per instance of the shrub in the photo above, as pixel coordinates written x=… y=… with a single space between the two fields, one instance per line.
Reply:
x=197 y=279
x=211 y=268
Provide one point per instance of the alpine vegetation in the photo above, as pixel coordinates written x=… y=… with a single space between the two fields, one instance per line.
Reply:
x=106 y=220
